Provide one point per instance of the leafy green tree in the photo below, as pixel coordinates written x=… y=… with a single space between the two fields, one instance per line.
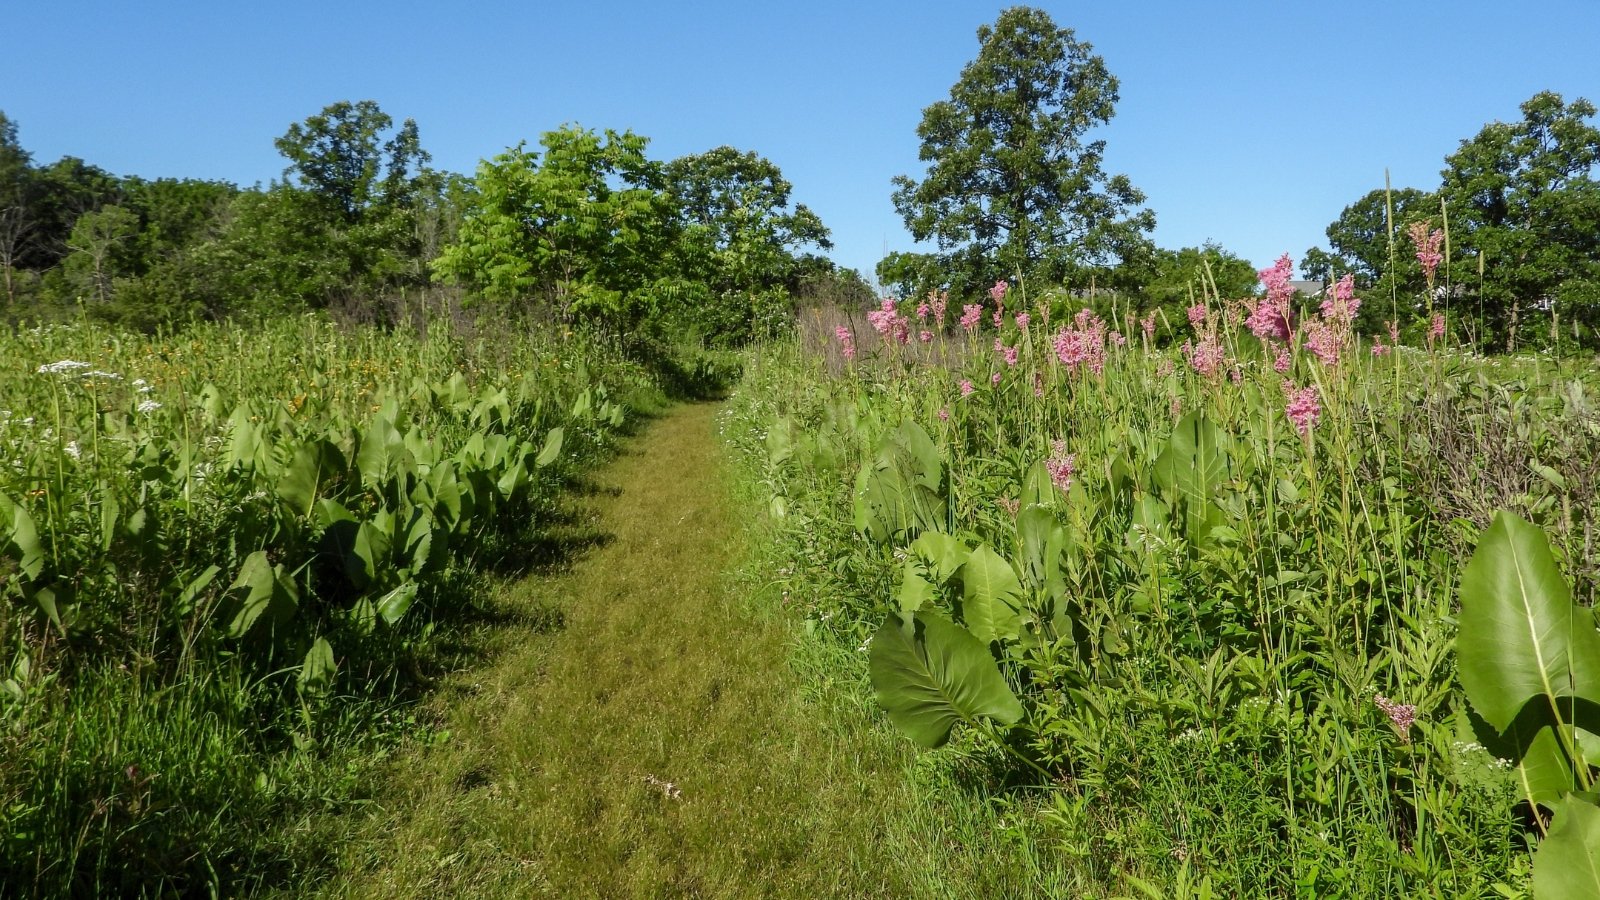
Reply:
x=587 y=228
x=910 y=275
x=740 y=236
x=16 y=223
x=1013 y=184
x=101 y=250
x=342 y=155
x=1523 y=196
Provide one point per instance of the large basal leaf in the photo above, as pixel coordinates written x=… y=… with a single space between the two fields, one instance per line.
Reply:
x=942 y=553
x=1521 y=637
x=991 y=599
x=552 y=448
x=383 y=451
x=1567 y=863
x=393 y=605
x=21 y=538
x=1195 y=460
x=929 y=674
x=915 y=590
x=314 y=465
x=927 y=467
x=1039 y=538
x=316 y=673
x=261 y=592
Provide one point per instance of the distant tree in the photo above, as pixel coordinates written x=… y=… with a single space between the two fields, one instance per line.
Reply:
x=16 y=223
x=343 y=156
x=737 y=215
x=1012 y=183
x=1524 y=196
x=907 y=275
x=101 y=246
x=585 y=228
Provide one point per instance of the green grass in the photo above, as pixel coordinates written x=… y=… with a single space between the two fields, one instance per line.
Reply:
x=653 y=721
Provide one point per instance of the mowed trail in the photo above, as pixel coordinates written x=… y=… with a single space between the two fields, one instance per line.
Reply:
x=641 y=733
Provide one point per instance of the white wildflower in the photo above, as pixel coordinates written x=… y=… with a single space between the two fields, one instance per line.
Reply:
x=109 y=376
x=73 y=450
x=62 y=366
x=148 y=406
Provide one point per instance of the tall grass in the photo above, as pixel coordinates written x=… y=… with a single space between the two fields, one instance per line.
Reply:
x=1201 y=673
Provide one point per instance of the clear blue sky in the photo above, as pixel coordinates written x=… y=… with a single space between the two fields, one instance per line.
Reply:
x=1250 y=123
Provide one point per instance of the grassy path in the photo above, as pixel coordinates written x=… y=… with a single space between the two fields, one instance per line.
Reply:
x=640 y=732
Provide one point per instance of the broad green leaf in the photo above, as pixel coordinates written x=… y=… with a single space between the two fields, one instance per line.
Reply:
x=915 y=591
x=22 y=538
x=780 y=441
x=1567 y=864
x=1038 y=531
x=929 y=674
x=382 y=451
x=1195 y=460
x=314 y=465
x=927 y=467
x=1521 y=637
x=943 y=553
x=552 y=447
x=316 y=673
x=191 y=591
x=393 y=605
x=991 y=599
x=261 y=590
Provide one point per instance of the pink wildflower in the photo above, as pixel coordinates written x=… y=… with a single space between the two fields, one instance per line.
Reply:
x=940 y=301
x=1083 y=345
x=1269 y=318
x=1022 y=321
x=1342 y=305
x=1061 y=465
x=995 y=378
x=1038 y=384
x=1148 y=323
x=1284 y=362
x=1010 y=354
x=1303 y=408
x=1436 y=327
x=1379 y=348
x=1427 y=244
x=1325 y=342
x=847 y=342
x=967 y=387
x=1394 y=333
x=1401 y=715
x=1118 y=339
x=1205 y=357
x=1236 y=375
x=998 y=292
x=971 y=314
x=1197 y=316
x=925 y=336
x=944 y=414
x=924 y=311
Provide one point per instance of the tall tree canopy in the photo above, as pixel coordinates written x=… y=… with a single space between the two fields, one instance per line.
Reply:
x=1524 y=195
x=1013 y=184
x=342 y=155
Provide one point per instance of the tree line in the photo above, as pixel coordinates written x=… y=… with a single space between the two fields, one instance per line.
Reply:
x=1014 y=188
x=586 y=228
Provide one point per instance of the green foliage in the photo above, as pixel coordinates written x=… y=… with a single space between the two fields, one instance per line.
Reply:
x=930 y=675
x=1013 y=186
x=258 y=533
x=584 y=228
x=1200 y=612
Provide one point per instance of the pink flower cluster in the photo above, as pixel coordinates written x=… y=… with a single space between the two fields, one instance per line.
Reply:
x=847 y=342
x=940 y=300
x=967 y=387
x=971 y=315
x=1402 y=715
x=1269 y=317
x=1427 y=244
x=887 y=321
x=1207 y=356
x=1061 y=465
x=1303 y=408
x=1022 y=322
x=1084 y=344
x=1436 y=327
x=1342 y=304
x=998 y=292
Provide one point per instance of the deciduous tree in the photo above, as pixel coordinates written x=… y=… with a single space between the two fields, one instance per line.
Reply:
x=1014 y=182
